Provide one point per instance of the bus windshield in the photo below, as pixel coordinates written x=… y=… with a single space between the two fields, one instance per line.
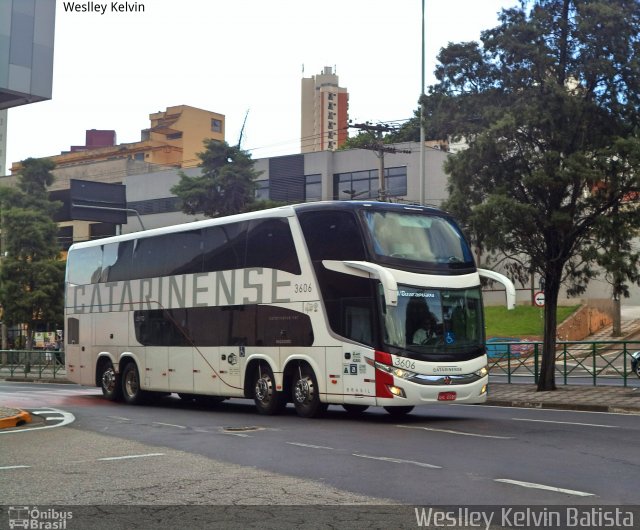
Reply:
x=435 y=322
x=429 y=240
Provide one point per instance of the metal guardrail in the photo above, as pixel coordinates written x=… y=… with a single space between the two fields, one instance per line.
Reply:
x=588 y=359
x=43 y=363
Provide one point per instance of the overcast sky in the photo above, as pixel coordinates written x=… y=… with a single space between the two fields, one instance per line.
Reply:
x=112 y=70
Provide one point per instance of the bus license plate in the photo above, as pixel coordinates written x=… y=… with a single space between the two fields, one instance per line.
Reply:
x=447 y=396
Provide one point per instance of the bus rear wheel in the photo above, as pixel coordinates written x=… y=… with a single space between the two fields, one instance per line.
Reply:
x=131 y=391
x=265 y=396
x=110 y=381
x=397 y=412
x=305 y=394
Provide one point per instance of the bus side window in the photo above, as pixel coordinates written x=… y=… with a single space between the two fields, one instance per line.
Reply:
x=332 y=236
x=73 y=331
x=85 y=266
x=223 y=247
x=121 y=268
x=270 y=245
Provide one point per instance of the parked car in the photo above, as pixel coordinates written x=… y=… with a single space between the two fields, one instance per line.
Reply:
x=635 y=362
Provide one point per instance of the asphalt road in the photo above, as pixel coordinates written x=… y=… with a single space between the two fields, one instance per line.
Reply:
x=177 y=453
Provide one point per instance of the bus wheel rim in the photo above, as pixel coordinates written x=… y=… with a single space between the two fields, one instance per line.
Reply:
x=109 y=380
x=263 y=389
x=131 y=383
x=303 y=391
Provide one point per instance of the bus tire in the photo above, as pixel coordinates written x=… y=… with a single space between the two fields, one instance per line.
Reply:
x=131 y=391
x=355 y=409
x=397 y=412
x=110 y=381
x=265 y=396
x=305 y=393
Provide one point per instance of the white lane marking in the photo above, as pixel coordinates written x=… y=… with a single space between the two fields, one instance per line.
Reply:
x=460 y=433
x=544 y=487
x=237 y=434
x=311 y=446
x=67 y=419
x=398 y=461
x=126 y=457
x=168 y=424
x=13 y=467
x=119 y=418
x=569 y=423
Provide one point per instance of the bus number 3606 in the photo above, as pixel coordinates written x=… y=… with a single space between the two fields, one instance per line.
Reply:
x=302 y=287
x=407 y=364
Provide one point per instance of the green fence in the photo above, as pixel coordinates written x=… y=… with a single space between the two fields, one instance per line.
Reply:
x=40 y=363
x=598 y=361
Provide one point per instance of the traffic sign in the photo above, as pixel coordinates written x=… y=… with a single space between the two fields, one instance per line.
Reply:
x=538 y=298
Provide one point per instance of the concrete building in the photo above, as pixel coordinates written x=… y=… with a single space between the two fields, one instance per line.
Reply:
x=324 y=175
x=174 y=138
x=324 y=112
x=27 y=32
x=26 y=51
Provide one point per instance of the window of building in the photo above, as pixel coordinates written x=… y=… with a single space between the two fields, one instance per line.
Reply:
x=216 y=125
x=313 y=187
x=174 y=136
x=365 y=184
x=262 y=190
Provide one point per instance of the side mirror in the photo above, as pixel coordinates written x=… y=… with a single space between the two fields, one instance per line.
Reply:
x=508 y=285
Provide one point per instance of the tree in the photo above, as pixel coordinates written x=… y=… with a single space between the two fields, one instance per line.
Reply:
x=226 y=184
x=550 y=108
x=32 y=276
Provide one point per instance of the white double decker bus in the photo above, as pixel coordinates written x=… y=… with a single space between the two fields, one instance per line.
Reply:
x=352 y=303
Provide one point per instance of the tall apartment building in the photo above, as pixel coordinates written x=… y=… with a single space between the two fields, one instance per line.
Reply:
x=324 y=112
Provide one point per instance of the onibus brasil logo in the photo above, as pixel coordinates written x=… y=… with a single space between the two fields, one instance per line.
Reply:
x=35 y=518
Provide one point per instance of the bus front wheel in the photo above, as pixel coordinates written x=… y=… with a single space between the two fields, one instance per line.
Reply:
x=355 y=409
x=131 y=391
x=265 y=395
x=110 y=381
x=306 y=395
x=399 y=411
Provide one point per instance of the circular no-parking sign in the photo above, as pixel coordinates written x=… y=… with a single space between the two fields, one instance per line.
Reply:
x=538 y=299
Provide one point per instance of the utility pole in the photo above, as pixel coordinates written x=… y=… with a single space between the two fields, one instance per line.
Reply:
x=422 y=138
x=380 y=149
x=3 y=252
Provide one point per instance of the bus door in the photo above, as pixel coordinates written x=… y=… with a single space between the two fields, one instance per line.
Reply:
x=359 y=383
x=79 y=338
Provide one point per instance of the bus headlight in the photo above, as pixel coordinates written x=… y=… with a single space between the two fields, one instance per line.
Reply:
x=397 y=372
x=483 y=372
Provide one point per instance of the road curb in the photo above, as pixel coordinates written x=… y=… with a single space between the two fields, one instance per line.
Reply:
x=580 y=407
x=19 y=418
x=60 y=381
